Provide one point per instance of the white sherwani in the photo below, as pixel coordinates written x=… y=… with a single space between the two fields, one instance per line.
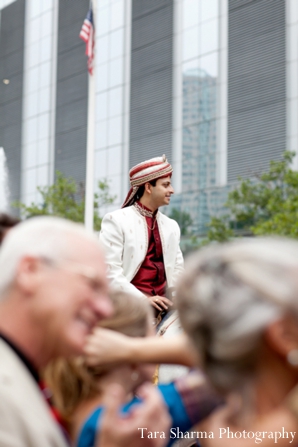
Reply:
x=124 y=235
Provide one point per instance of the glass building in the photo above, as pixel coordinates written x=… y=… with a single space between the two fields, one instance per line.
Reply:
x=210 y=83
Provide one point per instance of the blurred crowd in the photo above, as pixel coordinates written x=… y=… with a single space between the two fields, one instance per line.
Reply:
x=78 y=360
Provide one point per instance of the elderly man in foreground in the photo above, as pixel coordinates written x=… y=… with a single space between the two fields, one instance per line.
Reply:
x=53 y=290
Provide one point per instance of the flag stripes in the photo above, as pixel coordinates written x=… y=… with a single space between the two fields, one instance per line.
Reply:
x=87 y=35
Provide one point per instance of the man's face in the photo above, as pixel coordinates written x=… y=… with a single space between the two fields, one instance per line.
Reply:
x=72 y=297
x=161 y=192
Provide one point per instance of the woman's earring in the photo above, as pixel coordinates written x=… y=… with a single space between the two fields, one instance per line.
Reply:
x=292 y=357
x=134 y=376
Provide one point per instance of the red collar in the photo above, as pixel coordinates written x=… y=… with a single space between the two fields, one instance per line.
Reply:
x=144 y=211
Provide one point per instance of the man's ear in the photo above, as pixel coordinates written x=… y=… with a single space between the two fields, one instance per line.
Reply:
x=148 y=187
x=282 y=335
x=27 y=274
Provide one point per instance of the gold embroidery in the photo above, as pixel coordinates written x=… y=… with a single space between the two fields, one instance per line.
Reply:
x=143 y=211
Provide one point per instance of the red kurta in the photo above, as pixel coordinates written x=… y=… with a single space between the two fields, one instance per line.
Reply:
x=151 y=277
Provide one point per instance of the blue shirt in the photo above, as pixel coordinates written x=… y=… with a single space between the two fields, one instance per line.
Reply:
x=172 y=399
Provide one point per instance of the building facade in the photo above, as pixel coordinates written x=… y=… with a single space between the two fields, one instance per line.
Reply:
x=210 y=83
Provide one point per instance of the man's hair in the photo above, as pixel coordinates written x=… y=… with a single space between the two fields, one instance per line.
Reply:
x=141 y=189
x=43 y=236
x=6 y=223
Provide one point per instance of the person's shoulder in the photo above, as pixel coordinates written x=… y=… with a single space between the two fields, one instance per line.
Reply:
x=16 y=382
x=167 y=220
x=13 y=367
x=116 y=215
x=120 y=215
x=8 y=356
x=88 y=431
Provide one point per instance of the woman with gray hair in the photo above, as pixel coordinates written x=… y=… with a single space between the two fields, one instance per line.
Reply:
x=239 y=305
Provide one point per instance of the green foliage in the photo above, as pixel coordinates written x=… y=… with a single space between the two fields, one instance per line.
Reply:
x=266 y=205
x=67 y=199
x=219 y=230
x=183 y=219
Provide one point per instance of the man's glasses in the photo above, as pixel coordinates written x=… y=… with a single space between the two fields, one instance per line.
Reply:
x=86 y=272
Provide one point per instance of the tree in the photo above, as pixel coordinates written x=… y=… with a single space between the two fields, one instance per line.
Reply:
x=183 y=219
x=264 y=205
x=65 y=198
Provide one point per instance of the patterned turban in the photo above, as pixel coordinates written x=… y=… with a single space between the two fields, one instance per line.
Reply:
x=144 y=172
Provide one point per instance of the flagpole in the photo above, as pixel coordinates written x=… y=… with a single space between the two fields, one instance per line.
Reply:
x=89 y=191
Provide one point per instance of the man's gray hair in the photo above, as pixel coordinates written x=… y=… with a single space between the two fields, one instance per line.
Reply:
x=44 y=236
x=229 y=294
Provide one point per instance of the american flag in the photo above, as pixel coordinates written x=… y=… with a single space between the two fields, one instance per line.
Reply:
x=87 y=35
